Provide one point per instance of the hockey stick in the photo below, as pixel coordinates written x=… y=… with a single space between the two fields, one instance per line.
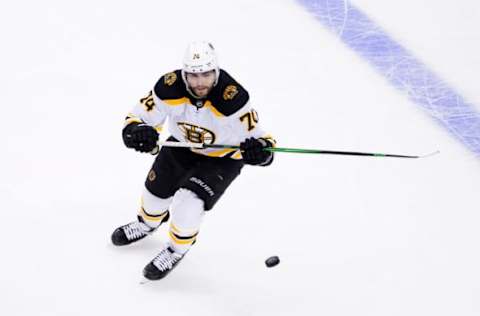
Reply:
x=292 y=150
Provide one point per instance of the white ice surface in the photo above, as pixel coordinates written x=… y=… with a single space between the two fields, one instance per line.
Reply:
x=356 y=236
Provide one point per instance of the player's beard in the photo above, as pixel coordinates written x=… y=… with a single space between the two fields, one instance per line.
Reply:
x=201 y=91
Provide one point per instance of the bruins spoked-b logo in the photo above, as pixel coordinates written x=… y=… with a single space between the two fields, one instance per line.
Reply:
x=230 y=92
x=196 y=134
x=170 y=78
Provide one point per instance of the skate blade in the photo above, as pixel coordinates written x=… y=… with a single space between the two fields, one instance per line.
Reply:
x=144 y=280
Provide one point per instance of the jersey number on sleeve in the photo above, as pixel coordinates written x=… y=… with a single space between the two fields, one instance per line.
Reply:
x=250 y=119
x=148 y=101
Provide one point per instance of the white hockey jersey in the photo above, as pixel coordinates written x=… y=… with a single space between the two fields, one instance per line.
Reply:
x=224 y=117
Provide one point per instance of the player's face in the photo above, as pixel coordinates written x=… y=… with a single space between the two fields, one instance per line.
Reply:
x=201 y=83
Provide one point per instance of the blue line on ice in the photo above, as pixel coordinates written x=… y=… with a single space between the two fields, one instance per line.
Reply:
x=401 y=68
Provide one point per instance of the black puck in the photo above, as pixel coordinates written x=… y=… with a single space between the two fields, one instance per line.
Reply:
x=272 y=261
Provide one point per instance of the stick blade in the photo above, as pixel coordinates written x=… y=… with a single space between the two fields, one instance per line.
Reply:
x=430 y=154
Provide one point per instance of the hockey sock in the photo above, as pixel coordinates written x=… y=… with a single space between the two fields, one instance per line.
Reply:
x=153 y=210
x=187 y=214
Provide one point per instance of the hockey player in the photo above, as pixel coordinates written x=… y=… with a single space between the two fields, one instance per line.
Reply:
x=203 y=104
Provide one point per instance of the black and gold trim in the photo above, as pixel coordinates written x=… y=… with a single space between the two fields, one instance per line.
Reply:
x=162 y=217
x=225 y=153
x=179 y=239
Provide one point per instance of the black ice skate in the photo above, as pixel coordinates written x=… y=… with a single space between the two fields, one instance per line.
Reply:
x=162 y=264
x=132 y=232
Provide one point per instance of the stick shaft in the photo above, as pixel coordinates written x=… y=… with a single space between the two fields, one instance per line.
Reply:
x=336 y=152
x=181 y=144
x=292 y=150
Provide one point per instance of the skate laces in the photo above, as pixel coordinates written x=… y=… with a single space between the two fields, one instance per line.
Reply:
x=166 y=259
x=135 y=230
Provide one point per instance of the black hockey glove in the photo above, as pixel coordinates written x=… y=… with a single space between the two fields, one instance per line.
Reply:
x=253 y=153
x=139 y=136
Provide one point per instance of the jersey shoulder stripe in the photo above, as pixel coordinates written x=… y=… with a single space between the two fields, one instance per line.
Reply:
x=171 y=86
x=228 y=96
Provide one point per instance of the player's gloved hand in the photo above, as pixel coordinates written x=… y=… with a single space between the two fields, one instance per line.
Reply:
x=140 y=137
x=253 y=153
